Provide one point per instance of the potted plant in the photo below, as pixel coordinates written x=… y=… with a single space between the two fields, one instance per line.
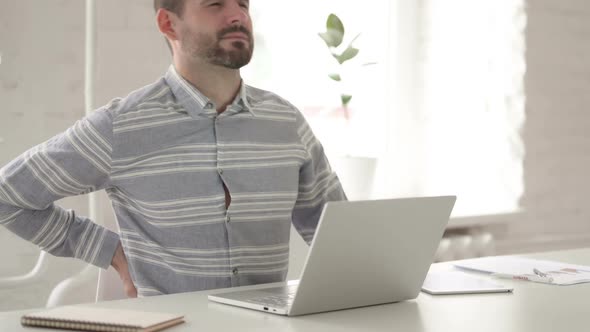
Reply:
x=356 y=173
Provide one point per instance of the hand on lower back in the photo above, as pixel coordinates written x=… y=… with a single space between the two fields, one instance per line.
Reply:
x=119 y=262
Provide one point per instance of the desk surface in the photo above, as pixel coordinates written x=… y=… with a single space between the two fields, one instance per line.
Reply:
x=532 y=307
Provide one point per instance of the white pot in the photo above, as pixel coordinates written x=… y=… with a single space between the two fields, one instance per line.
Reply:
x=356 y=175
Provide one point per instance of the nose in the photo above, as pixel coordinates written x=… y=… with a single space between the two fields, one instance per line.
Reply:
x=236 y=15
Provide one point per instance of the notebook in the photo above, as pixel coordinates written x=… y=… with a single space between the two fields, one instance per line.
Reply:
x=456 y=282
x=101 y=319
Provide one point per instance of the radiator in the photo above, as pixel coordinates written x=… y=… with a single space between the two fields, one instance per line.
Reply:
x=463 y=246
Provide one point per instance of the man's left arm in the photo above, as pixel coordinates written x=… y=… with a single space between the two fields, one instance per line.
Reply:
x=318 y=184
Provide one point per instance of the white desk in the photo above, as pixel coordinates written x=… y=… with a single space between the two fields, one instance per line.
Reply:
x=532 y=307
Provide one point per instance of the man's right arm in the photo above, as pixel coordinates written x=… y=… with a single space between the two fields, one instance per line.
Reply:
x=75 y=162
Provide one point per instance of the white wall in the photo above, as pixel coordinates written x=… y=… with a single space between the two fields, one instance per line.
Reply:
x=557 y=130
x=41 y=93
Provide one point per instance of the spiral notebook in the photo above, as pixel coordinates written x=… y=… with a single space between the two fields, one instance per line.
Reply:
x=101 y=319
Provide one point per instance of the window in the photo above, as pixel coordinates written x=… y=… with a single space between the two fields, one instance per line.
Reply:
x=472 y=104
x=442 y=108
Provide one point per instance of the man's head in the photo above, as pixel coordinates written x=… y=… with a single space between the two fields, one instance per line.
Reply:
x=218 y=32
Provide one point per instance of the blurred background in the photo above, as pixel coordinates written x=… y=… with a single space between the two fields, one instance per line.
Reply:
x=486 y=100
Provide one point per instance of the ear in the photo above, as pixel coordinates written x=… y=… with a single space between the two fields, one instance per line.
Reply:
x=166 y=22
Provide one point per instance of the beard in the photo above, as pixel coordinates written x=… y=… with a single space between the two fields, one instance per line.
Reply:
x=209 y=48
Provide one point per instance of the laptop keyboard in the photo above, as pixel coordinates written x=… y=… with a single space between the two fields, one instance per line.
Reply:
x=282 y=299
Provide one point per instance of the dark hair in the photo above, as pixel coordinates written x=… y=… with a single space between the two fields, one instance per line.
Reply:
x=174 y=6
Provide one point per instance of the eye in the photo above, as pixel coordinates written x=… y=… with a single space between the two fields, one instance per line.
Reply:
x=244 y=4
x=215 y=4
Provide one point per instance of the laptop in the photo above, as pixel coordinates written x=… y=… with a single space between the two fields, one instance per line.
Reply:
x=363 y=253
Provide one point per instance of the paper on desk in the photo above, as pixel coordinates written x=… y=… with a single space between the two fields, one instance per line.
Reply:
x=562 y=273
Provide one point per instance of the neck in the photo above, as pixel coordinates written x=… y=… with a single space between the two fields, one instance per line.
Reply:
x=219 y=84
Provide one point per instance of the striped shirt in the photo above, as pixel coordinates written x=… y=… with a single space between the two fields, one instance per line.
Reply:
x=164 y=154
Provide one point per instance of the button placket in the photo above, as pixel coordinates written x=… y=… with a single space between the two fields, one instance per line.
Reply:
x=235 y=271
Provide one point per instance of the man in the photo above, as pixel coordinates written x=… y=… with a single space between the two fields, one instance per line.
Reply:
x=205 y=173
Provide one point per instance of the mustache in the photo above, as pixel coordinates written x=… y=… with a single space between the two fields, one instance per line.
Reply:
x=234 y=28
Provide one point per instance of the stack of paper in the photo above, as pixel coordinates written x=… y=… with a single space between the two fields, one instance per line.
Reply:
x=556 y=273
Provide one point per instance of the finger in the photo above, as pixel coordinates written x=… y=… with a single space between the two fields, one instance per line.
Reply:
x=130 y=289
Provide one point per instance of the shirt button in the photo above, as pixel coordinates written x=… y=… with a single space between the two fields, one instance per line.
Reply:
x=235 y=271
x=220 y=171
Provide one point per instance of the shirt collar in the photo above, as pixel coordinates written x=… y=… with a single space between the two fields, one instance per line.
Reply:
x=196 y=103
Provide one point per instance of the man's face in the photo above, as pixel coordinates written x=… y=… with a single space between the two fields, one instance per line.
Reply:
x=217 y=31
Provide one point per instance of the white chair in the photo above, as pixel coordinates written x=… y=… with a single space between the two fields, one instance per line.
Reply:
x=29 y=278
x=110 y=286
x=79 y=288
x=90 y=285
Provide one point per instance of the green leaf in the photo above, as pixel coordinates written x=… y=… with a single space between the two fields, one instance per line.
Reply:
x=334 y=23
x=335 y=77
x=348 y=54
x=345 y=99
x=334 y=31
x=330 y=39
